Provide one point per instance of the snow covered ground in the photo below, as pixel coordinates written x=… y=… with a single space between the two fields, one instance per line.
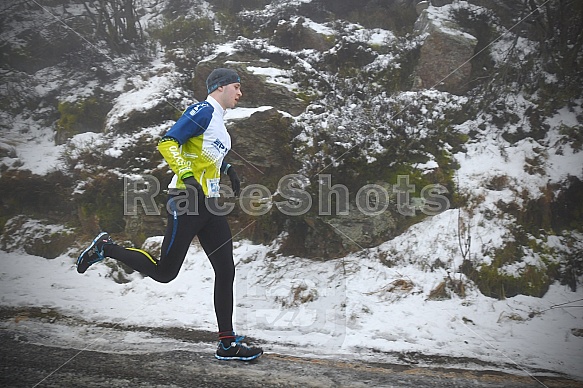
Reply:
x=349 y=307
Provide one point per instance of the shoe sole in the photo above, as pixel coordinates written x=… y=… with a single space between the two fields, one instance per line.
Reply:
x=250 y=358
x=91 y=246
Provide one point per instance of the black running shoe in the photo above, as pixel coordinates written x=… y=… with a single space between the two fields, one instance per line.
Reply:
x=238 y=351
x=94 y=253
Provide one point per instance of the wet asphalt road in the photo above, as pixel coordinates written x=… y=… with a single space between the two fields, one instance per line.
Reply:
x=24 y=362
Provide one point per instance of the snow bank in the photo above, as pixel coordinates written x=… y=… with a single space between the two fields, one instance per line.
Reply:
x=349 y=307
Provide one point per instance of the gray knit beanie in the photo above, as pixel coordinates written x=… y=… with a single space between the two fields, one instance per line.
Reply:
x=221 y=77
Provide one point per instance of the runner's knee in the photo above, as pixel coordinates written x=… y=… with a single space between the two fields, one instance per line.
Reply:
x=165 y=276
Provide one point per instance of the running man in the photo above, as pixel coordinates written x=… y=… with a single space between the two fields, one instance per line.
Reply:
x=194 y=148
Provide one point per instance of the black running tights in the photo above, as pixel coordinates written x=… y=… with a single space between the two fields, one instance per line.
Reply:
x=215 y=237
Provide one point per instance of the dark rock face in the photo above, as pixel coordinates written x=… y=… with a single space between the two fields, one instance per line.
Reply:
x=296 y=36
x=256 y=90
x=444 y=62
x=35 y=237
x=313 y=89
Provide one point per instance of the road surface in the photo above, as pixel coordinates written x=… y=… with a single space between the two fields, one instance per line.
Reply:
x=85 y=356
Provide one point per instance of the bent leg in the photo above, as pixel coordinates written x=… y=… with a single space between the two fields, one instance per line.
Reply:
x=180 y=231
x=137 y=259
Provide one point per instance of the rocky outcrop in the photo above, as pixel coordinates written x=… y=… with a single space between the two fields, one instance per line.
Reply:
x=264 y=141
x=359 y=230
x=36 y=237
x=262 y=154
x=421 y=6
x=141 y=226
x=312 y=237
x=328 y=237
x=444 y=62
x=257 y=91
x=297 y=36
x=440 y=3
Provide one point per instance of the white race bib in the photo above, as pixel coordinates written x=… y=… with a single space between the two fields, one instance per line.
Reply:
x=213 y=187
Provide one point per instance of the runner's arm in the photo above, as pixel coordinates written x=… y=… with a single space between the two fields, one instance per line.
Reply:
x=193 y=122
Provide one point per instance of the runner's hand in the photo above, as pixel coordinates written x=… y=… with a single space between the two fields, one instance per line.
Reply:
x=195 y=192
x=235 y=181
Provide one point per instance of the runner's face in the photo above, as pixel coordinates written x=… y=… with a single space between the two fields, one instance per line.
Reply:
x=230 y=95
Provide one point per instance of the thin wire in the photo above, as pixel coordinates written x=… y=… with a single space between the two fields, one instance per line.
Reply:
x=408 y=105
x=139 y=308
x=72 y=30
x=347 y=236
x=335 y=161
x=499 y=351
x=560 y=305
x=168 y=102
x=439 y=82
x=89 y=345
x=231 y=239
x=112 y=60
x=246 y=161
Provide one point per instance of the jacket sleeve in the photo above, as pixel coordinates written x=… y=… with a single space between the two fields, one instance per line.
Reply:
x=193 y=122
x=170 y=150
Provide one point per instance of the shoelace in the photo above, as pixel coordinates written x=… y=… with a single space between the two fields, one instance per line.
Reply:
x=237 y=341
x=99 y=252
